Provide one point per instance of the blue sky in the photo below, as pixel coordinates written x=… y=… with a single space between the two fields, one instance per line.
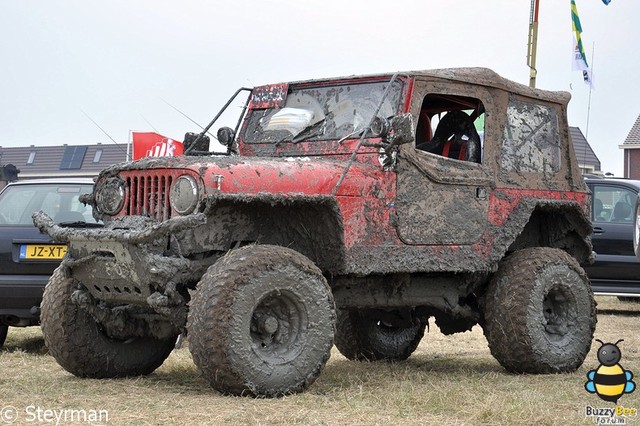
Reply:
x=119 y=61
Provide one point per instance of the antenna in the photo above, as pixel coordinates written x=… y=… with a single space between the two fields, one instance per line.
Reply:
x=149 y=123
x=593 y=65
x=103 y=131
x=188 y=118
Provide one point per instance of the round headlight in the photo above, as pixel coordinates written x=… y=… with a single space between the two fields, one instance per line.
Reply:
x=184 y=194
x=110 y=196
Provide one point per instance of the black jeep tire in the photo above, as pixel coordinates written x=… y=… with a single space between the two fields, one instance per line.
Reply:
x=362 y=337
x=540 y=313
x=80 y=346
x=3 y=333
x=261 y=322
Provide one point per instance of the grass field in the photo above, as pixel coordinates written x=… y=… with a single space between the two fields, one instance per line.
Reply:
x=450 y=380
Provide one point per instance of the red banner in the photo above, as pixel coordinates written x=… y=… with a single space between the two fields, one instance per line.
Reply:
x=150 y=144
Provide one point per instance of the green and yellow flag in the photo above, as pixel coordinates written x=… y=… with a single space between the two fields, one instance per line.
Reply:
x=579 y=57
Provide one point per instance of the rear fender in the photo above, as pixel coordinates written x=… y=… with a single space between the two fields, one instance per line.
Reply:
x=558 y=225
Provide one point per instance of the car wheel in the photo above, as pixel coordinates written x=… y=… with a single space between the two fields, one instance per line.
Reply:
x=540 y=313
x=79 y=343
x=364 y=337
x=3 y=333
x=261 y=322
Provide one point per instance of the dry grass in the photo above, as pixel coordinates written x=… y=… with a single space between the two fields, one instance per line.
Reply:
x=449 y=380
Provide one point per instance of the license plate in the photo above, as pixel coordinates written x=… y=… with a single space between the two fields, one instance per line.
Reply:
x=43 y=251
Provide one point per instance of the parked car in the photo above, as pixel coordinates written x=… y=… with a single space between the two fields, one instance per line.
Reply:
x=616 y=271
x=636 y=228
x=27 y=256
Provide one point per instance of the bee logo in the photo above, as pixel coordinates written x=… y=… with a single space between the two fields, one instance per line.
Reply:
x=610 y=381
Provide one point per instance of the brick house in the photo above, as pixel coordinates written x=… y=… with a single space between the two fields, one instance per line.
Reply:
x=631 y=147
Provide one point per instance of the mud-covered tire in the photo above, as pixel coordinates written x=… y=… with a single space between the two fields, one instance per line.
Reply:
x=540 y=314
x=3 y=333
x=362 y=337
x=80 y=346
x=261 y=322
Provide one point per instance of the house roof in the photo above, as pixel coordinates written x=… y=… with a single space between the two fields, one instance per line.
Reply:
x=62 y=160
x=584 y=153
x=633 y=138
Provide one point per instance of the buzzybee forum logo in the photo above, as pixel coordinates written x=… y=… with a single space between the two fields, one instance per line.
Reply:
x=610 y=381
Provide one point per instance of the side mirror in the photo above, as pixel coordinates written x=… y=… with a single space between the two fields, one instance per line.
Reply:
x=402 y=130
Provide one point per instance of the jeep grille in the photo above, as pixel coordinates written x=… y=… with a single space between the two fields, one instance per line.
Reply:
x=149 y=196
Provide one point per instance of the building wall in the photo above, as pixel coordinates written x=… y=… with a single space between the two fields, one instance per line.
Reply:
x=632 y=163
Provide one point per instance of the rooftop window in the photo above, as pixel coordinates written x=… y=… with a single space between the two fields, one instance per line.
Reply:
x=73 y=157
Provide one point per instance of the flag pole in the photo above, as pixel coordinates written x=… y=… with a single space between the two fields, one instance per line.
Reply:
x=593 y=52
x=533 y=42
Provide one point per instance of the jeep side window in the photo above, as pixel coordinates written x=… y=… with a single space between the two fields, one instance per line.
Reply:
x=531 y=140
x=451 y=126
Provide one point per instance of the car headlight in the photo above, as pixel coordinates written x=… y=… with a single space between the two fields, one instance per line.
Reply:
x=110 y=196
x=184 y=194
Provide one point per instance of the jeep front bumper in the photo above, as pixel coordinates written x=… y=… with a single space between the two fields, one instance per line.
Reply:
x=126 y=265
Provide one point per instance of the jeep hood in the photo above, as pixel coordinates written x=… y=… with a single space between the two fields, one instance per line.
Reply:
x=254 y=175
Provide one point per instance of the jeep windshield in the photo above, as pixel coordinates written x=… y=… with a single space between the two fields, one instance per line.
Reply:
x=312 y=113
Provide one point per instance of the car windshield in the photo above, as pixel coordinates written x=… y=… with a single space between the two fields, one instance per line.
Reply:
x=322 y=112
x=59 y=201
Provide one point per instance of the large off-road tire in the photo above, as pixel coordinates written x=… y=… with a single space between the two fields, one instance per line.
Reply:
x=362 y=337
x=81 y=347
x=540 y=313
x=3 y=333
x=261 y=322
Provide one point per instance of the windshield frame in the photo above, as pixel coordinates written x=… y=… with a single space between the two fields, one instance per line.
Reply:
x=316 y=120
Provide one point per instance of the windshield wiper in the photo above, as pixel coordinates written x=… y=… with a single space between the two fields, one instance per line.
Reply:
x=305 y=133
x=355 y=133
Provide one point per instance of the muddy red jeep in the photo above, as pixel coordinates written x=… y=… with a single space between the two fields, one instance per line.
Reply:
x=344 y=211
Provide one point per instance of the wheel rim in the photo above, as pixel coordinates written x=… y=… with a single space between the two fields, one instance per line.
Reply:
x=278 y=324
x=559 y=309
